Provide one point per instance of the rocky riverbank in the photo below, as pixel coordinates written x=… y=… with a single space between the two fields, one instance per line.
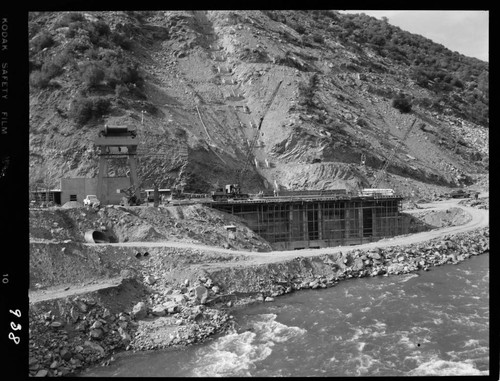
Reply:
x=67 y=335
x=271 y=280
x=147 y=312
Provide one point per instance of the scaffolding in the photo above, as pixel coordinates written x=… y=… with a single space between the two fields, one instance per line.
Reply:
x=314 y=223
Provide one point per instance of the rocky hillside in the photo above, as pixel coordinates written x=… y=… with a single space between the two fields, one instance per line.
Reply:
x=197 y=84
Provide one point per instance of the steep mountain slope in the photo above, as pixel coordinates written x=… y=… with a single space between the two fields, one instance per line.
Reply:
x=196 y=85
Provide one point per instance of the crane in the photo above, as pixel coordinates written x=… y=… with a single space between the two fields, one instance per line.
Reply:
x=254 y=141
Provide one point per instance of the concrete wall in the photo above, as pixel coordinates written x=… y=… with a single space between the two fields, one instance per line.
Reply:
x=83 y=186
x=80 y=187
x=110 y=187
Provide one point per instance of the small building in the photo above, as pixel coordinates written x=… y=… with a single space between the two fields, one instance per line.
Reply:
x=44 y=195
x=76 y=189
x=163 y=192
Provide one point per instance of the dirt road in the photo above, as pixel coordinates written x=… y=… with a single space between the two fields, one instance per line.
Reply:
x=480 y=219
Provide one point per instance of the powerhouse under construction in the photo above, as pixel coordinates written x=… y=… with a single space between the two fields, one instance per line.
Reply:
x=313 y=220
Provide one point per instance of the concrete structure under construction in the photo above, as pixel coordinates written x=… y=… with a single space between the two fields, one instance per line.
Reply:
x=116 y=142
x=315 y=222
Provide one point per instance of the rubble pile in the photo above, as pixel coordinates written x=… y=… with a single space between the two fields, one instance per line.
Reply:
x=189 y=223
x=439 y=219
x=482 y=203
x=68 y=335
x=182 y=316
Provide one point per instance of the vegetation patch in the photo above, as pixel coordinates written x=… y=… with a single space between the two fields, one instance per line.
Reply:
x=85 y=109
x=42 y=41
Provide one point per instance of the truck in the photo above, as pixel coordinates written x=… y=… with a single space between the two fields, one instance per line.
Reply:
x=91 y=200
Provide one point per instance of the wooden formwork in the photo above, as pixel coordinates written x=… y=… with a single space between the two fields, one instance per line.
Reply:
x=294 y=224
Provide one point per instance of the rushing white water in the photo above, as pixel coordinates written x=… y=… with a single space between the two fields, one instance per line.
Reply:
x=237 y=354
x=427 y=324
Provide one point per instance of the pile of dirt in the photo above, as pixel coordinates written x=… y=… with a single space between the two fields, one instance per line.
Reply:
x=443 y=218
x=481 y=203
x=72 y=204
x=184 y=223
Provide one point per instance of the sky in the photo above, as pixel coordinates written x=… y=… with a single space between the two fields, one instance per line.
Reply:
x=463 y=31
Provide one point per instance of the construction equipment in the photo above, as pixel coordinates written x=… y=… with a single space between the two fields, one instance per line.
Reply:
x=383 y=170
x=130 y=198
x=133 y=195
x=230 y=192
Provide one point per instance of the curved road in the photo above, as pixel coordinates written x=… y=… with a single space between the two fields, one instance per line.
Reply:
x=480 y=219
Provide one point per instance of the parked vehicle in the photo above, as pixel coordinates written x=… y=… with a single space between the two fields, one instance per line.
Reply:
x=91 y=200
x=459 y=193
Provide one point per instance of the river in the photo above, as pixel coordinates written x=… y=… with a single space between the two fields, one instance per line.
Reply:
x=421 y=324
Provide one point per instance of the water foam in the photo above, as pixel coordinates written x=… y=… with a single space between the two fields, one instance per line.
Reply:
x=407 y=277
x=471 y=343
x=405 y=341
x=236 y=354
x=269 y=329
x=446 y=368
x=361 y=365
x=231 y=355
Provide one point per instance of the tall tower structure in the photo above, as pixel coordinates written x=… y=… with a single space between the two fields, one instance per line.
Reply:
x=116 y=142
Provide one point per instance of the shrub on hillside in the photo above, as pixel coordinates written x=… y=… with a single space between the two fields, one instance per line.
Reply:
x=100 y=106
x=300 y=29
x=44 y=40
x=41 y=78
x=402 y=103
x=318 y=38
x=73 y=29
x=81 y=110
x=62 y=58
x=51 y=69
x=92 y=74
x=68 y=19
x=121 y=40
x=121 y=90
x=98 y=33
x=86 y=109
x=38 y=79
x=78 y=45
x=121 y=73
x=92 y=54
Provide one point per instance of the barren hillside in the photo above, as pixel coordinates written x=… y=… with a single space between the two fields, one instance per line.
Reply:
x=197 y=84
